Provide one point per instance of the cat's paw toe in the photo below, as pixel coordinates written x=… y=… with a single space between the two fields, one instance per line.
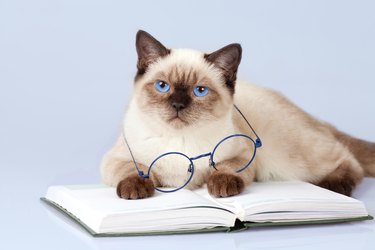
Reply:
x=135 y=187
x=224 y=184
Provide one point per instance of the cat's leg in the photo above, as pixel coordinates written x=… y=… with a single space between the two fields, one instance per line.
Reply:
x=226 y=182
x=120 y=172
x=343 y=178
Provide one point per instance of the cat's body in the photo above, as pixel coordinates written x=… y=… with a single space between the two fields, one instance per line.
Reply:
x=295 y=145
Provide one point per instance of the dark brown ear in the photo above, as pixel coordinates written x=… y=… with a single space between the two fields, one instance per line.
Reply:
x=149 y=50
x=227 y=59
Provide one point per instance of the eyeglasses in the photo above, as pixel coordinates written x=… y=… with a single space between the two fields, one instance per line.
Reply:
x=231 y=141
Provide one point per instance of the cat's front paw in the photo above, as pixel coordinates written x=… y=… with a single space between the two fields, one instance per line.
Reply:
x=135 y=187
x=221 y=184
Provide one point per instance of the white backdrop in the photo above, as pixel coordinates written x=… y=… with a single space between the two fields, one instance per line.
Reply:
x=66 y=67
x=66 y=70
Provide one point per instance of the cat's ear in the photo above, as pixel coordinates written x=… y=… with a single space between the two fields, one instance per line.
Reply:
x=148 y=49
x=227 y=59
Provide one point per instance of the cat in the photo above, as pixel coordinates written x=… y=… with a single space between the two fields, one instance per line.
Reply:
x=184 y=101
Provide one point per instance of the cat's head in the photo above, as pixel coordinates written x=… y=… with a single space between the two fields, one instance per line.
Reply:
x=181 y=87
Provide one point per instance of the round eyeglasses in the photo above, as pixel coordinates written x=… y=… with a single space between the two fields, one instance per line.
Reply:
x=235 y=141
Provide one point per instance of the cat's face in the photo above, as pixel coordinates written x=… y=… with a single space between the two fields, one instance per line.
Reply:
x=184 y=87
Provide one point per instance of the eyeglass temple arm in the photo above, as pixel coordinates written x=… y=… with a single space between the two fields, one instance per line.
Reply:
x=140 y=172
x=258 y=142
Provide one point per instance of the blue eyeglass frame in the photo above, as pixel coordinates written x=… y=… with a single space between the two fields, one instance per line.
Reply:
x=257 y=144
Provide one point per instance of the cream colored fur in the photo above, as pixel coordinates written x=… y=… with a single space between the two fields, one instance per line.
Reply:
x=295 y=146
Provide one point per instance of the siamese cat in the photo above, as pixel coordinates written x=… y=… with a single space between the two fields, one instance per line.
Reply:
x=183 y=101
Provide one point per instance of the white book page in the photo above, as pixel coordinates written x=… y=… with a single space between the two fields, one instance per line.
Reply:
x=104 y=199
x=291 y=196
x=99 y=206
x=269 y=192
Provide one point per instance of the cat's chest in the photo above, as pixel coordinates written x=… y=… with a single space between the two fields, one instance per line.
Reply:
x=165 y=148
x=172 y=159
x=173 y=154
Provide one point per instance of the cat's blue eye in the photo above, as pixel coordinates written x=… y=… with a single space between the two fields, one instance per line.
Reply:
x=162 y=87
x=200 y=91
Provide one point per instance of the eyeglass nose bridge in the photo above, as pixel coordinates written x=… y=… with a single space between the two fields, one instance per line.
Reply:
x=211 y=161
x=200 y=156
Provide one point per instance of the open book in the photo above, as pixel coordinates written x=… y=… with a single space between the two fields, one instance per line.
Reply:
x=98 y=209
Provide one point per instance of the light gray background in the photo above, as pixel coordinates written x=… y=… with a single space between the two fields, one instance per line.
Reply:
x=66 y=70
